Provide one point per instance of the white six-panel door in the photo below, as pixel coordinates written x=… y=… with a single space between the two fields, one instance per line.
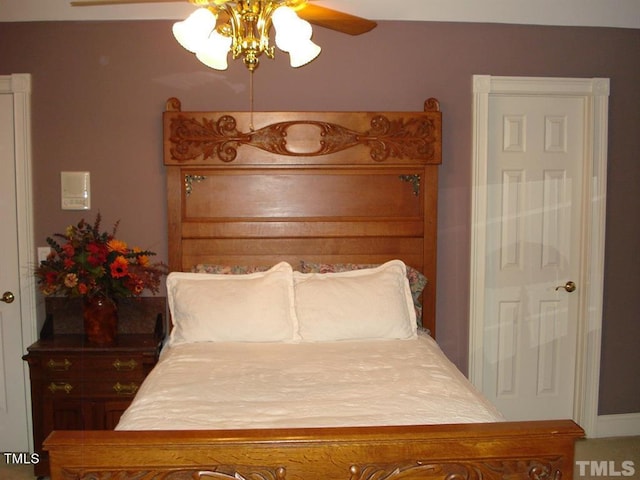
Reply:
x=534 y=179
x=539 y=189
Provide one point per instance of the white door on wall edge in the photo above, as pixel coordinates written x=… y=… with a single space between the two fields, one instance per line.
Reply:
x=534 y=182
x=531 y=265
x=17 y=290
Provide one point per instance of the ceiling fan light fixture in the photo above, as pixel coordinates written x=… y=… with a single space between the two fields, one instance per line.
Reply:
x=248 y=23
x=293 y=35
x=194 y=31
x=304 y=53
x=213 y=52
x=284 y=17
x=245 y=32
x=290 y=29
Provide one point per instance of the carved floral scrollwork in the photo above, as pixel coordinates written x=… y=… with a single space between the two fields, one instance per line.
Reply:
x=418 y=470
x=534 y=469
x=413 y=138
x=210 y=139
x=215 y=473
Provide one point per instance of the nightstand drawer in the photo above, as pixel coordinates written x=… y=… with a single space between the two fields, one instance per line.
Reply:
x=124 y=388
x=73 y=366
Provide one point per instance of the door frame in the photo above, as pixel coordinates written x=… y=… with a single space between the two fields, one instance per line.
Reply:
x=595 y=92
x=19 y=85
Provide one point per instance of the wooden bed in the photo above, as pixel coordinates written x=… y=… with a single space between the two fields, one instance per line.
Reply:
x=322 y=187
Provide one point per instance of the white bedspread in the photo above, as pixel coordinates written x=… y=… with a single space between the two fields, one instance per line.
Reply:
x=243 y=385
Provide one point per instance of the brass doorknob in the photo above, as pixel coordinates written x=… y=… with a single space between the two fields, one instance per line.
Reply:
x=569 y=286
x=8 y=297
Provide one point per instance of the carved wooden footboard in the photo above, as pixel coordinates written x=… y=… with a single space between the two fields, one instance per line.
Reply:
x=509 y=450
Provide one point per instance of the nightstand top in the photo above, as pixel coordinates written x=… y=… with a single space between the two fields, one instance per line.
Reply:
x=79 y=344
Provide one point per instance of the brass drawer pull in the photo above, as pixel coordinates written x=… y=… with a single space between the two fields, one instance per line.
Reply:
x=60 y=387
x=120 y=365
x=123 y=389
x=59 y=366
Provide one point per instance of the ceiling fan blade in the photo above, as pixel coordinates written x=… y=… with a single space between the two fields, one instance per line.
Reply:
x=335 y=20
x=321 y=16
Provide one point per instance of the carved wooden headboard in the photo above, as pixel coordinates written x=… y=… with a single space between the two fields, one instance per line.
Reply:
x=331 y=187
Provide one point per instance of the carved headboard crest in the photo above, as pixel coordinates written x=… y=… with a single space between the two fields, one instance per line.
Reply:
x=205 y=138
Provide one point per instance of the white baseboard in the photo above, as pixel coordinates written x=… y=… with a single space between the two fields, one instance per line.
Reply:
x=621 y=425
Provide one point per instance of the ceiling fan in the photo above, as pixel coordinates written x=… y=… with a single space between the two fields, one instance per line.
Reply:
x=317 y=15
x=242 y=27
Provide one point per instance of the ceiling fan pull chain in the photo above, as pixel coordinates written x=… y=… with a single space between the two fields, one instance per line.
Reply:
x=251 y=100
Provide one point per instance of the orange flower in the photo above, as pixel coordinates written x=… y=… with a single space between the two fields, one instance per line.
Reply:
x=119 y=267
x=116 y=245
x=143 y=260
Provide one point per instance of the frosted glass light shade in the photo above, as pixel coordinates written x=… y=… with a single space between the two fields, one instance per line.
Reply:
x=289 y=36
x=303 y=53
x=293 y=35
x=193 y=32
x=283 y=17
x=290 y=29
x=213 y=52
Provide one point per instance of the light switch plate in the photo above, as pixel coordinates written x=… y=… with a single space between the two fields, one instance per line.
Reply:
x=43 y=253
x=75 y=188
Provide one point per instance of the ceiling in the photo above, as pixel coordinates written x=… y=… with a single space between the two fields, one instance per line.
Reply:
x=600 y=13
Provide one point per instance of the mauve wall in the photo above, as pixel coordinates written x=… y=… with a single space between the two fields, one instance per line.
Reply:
x=99 y=90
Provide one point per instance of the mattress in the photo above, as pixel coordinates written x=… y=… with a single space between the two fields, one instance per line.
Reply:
x=218 y=385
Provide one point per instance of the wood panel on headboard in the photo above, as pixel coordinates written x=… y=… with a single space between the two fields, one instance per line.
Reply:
x=331 y=187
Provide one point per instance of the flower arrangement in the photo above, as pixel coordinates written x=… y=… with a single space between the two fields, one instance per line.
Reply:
x=85 y=262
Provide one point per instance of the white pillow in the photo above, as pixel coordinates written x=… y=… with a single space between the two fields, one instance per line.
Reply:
x=372 y=303
x=257 y=307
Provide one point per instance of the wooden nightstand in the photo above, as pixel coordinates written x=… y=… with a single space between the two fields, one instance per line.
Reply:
x=79 y=386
